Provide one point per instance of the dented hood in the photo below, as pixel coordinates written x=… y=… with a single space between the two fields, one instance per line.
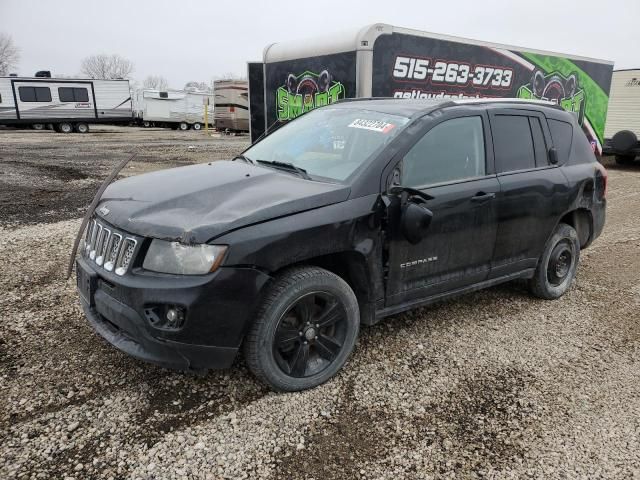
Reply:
x=197 y=203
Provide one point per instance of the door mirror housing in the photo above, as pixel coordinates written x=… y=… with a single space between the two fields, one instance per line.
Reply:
x=553 y=156
x=415 y=221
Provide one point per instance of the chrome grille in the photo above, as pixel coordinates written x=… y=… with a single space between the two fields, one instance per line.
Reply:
x=108 y=248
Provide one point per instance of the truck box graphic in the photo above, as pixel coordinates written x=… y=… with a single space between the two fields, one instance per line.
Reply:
x=385 y=61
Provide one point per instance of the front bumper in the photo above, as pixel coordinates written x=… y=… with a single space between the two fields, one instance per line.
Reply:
x=219 y=309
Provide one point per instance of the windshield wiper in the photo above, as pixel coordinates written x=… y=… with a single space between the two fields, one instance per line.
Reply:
x=244 y=158
x=286 y=166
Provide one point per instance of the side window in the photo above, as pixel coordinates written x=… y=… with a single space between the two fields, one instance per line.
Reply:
x=512 y=143
x=561 y=134
x=34 y=94
x=452 y=150
x=72 y=94
x=539 y=145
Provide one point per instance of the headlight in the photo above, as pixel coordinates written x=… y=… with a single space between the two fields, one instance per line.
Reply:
x=175 y=257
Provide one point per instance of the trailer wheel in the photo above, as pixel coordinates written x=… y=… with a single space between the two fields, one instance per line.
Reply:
x=146 y=124
x=38 y=126
x=197 y=126
x=82 y=128
x=183 y=126
x=65 y=127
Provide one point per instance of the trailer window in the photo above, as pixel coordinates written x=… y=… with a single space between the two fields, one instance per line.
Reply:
x=34 y=94
x=73 y=94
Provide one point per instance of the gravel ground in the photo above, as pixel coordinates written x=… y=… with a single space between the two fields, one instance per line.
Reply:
x=495 y=384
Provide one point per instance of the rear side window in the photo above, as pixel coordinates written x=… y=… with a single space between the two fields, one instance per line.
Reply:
x=512 y=143
x=34 y=94
x=452 y=150
x=561 y=134
x=539 y=145
x=73 y=94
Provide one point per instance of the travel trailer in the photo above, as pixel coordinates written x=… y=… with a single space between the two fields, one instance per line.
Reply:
x=623 y=116
x=231 y=105
x=385 y=61
x=67 y=104
x=175 y=109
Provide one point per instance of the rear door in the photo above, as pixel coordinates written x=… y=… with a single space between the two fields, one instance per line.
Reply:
x=533 y=192
x=450 y=162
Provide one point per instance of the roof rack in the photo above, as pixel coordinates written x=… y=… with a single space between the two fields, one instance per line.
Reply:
x=465 y=101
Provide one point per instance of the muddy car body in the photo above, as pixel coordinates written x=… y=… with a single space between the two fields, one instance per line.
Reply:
x=290 y=260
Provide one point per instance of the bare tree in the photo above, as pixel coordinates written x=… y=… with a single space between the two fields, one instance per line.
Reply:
x=9 y=54
x=156 y=82
x=106 y=67
x=197 y=86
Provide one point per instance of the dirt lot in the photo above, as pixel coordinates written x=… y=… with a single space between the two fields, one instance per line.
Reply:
x=495 y=384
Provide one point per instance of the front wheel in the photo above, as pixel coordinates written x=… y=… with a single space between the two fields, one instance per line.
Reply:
x=38 y=126
x=304 y=331
x=82 y=128
x=65 y=127
x=558 y=265
x=197 y=126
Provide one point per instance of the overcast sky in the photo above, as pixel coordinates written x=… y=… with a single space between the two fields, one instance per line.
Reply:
x=197 y=40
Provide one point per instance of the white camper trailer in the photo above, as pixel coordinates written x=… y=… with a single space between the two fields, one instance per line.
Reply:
x=232 y=105
x=67 y=104
x=622 y=130
x=174 y=109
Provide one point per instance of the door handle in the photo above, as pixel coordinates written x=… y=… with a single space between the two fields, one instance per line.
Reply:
x=483 y=197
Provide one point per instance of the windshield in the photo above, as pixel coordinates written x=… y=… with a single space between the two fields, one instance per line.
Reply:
x=329 y=142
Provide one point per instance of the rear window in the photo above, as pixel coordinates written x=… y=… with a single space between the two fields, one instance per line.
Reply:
x=73 y=94
x=561 y=134
x=512 y=142
x=34 y=94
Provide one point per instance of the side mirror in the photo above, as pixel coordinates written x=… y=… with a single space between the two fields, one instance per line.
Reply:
x=415 y=221
x=553 y=156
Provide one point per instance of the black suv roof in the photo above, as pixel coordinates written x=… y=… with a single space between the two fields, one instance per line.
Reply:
x=413 y=107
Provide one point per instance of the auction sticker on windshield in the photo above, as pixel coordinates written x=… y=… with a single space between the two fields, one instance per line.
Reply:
x=374 y=125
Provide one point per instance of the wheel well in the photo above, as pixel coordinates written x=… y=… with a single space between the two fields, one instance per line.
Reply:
x=582 y=221
x=352 y=268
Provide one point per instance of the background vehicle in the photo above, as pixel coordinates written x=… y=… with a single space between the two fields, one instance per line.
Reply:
x=388 y=206
x=623 y=117
x=385 y=61
x=174 y=109
x=68 y=104
x=231 y=105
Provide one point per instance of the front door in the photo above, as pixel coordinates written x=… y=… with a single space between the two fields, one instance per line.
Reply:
x=450 y=163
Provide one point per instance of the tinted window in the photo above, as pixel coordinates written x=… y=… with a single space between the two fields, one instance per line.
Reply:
x=539 y=145
x=452 y=150
x=34 y=94
x=512 y=143
x=72 y=94
x=561 y=133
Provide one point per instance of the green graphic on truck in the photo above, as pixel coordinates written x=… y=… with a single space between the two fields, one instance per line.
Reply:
x=305 y=92
x=556 y=88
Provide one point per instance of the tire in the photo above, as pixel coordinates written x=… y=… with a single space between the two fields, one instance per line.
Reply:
x=146 y=124
x=184 y=126
x=65 y=127
x=296 y=297
x=82 y=128
x=558 y=265
x=197 y=126
x=624 y=140
x=38 y=126
x=173 y=127
x=625 y=159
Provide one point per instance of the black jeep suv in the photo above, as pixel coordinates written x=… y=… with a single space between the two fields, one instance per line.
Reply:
x=346 y=215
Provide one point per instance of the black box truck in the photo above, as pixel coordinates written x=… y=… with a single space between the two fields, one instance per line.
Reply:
x=385 y=61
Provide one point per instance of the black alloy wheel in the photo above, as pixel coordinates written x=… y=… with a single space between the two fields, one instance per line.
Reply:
x=310 y=335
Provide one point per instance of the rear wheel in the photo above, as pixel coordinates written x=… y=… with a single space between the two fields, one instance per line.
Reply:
x=146 y=124
x=65 y=127
x=38 y=126
x=305 y=330
x=197 y=126
x=558 y=265
x=183 y=126
x=82 y=128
